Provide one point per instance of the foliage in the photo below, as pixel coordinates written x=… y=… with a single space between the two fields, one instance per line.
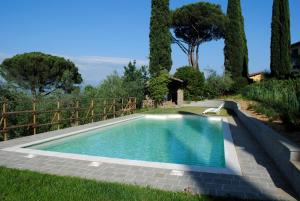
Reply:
x=181 y=110
x=217 y=86
x=236 y=51
x=15 y=97
x=40 y=73
x=280 y=39
x=158 y=87
x=194 y=82
x=195 y=24
x=282 y=95
x=90 y=91
x=239 y=84
x=111 y=87
x=134 y=82
x=160 y=38
x=266 y=110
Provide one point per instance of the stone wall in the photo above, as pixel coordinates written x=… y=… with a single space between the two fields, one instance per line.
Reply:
x=284 y=153
x=180 y=97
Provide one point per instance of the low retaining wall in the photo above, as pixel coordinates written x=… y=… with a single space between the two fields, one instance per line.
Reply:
x=284 y=153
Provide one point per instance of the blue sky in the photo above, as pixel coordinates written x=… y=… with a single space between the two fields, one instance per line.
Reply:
x=102 y=36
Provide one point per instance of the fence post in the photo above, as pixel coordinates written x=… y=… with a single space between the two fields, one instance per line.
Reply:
x=114 y=107
x=104 y=110
x=131 y=101
x=77 y=113
x=5 y=133
x=34 y=116
x=122 y=107
x=92 y=106
x=58 y=114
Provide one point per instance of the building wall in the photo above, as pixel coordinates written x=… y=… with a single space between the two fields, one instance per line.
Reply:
x=180 y=97
x=296 y=56
x=257 y=78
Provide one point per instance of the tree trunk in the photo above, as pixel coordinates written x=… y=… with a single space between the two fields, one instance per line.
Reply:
x=189 y=56
x=197 y=57
x=193 y=56
x=33 y=92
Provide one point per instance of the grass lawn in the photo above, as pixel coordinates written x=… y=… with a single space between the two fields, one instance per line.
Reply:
x=17 y=185
x=182 y=110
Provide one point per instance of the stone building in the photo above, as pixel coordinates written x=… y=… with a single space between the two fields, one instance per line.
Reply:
x=176 y=94
x=295 y=52
x=256 y=77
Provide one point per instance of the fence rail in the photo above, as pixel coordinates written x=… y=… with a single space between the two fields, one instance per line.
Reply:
x=57 y=114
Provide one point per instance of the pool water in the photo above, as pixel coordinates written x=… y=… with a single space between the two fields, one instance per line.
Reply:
x=189 y=140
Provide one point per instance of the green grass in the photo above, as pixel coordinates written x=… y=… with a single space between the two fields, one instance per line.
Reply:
x=17 y=185
x=282 y=96
x=266 y=110
x=182 y=110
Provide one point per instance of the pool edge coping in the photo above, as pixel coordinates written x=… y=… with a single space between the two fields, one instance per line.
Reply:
x=231 y=159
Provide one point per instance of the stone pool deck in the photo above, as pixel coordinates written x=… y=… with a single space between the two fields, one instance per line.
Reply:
x=260 y=178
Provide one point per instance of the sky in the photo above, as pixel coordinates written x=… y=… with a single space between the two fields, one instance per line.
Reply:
x=101 y=36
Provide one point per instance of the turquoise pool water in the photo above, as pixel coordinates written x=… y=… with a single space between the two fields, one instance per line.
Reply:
x=190 y=140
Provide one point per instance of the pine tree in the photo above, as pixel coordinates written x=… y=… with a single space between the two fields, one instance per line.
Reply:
x=236 y=51
x=160 y=38
x=280 y=39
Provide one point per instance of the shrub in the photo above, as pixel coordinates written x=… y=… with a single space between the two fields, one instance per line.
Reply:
x=282 y=95
x=158 y=87
x=134 y=82
x=239 y=84
x=194 y=82
x=217 y=86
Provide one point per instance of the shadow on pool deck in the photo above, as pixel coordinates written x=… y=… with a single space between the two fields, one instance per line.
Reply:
x=260 y=177
x=260 y=180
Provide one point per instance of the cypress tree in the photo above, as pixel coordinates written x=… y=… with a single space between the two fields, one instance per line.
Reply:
x=245 y=72
x=280 y=39
x=236 y=51
x=160 y=38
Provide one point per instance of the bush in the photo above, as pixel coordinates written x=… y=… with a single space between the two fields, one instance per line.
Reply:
x=282 y=95
x=158 y=87
x=239 y=84
x=194 y=82
x=217 y=86
x=134 y=82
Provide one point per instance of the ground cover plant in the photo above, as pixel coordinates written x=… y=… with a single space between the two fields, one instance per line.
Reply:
x=283 y=96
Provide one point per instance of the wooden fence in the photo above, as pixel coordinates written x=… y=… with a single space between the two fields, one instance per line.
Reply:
x=20 y=118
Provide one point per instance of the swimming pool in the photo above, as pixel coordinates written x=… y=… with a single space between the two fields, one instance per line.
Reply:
x=181 y=142
x=188 y=140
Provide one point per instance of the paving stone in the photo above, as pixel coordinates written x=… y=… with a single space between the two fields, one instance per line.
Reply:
x=260 y=178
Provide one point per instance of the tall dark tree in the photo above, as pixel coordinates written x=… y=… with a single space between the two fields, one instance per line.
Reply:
x=236 y=51
x=195 y=24
x=40 y=73
x=280 y=39
x=160 y=38
x=245 y=72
